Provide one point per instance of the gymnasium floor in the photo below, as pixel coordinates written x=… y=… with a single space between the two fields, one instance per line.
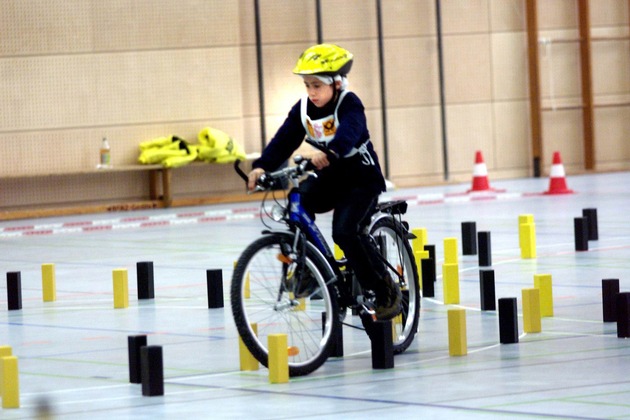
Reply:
x=73 y=352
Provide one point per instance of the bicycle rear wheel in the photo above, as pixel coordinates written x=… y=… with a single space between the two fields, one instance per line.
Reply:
x=267 y=295
x=396 y=249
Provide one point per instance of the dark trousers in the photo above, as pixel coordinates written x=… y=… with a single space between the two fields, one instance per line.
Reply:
x=352 y=209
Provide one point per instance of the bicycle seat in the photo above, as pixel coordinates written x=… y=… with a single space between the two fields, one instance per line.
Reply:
x=392 y=207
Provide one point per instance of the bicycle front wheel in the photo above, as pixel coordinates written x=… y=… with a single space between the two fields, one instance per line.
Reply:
x=265 y=300
x=396 y=250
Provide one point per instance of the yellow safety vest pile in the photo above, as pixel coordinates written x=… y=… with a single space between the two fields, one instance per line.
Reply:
x=215 y=146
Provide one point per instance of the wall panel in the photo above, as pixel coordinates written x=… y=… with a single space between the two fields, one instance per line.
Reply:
x=408 y=18
x=563 y=133
x=509 y=66
x=611 y=131
x=511 y=137
x=349 y=20
x=123 y=25
x=77 y=70
x=465 y=16
x=507 y=16
x=34 y=27
x=415 y=148
x=413 y=60
x=467 y=68
x=469 y=129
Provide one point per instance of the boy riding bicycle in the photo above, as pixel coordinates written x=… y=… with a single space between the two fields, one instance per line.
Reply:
x=348 y=178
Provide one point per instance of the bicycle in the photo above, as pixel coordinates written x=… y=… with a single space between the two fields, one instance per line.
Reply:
x=288 y=280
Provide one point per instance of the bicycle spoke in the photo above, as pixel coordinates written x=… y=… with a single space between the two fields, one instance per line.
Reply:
x=398 y=258
x=266 y=292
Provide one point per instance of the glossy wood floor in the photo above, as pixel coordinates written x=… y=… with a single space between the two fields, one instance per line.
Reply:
x=72 y=352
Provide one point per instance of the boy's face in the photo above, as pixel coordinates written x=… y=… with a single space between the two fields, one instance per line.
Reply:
x=318 y=92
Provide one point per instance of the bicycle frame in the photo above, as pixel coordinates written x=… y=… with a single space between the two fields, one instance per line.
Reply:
x=299 y=216
x=325 y=281
x=299 y=221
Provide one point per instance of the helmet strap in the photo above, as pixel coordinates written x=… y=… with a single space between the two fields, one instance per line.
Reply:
x=343 y=82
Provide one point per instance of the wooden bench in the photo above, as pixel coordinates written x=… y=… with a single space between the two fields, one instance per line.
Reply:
x=156 y=173
x=160 y=192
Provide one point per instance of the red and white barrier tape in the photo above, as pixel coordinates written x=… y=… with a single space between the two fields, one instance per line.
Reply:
x=173 y=219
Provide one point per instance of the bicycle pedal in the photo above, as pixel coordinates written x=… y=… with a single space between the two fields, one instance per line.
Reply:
x=369 y=311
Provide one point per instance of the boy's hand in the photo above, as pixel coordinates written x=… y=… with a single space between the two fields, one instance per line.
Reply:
x=320 y=160
x=253 y=177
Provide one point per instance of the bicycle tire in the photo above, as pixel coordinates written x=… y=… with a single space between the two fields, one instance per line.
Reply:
x=397 y=251
x=258 y=296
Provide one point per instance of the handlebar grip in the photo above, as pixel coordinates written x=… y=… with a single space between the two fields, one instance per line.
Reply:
x=239 y=171
x=272 y=180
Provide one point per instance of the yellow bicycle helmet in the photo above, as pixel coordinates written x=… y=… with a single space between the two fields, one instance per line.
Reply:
x=324 y=60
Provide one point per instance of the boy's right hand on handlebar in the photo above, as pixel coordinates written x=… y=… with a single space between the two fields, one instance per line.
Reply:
x=252 y=177
x=320 y=160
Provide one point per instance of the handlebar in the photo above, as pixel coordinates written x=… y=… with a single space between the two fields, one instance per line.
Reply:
x=239 y=171
x=269 y=180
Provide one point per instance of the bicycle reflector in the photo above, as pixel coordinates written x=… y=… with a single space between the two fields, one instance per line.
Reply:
x=284 y=259
x=277 y=213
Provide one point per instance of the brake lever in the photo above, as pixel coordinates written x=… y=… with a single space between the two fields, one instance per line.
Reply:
x=243 y=175
x=329 y=153
x=239 y=171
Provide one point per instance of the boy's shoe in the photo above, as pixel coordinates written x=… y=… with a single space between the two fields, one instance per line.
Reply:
x=389 y=301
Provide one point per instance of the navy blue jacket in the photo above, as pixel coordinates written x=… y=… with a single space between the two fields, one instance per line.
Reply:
x=351 y=132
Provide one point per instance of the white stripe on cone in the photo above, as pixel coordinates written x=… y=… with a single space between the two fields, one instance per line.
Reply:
x=557 y=171
x=480 y=169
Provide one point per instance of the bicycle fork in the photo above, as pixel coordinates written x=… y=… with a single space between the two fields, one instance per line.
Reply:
x=293 y=263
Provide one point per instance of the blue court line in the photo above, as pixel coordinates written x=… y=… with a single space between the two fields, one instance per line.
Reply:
x=18 y=324
x=457 y=408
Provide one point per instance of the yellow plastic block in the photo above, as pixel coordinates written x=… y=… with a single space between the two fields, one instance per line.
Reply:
x=525 y=218
x=396 y=327
x=450 y=283
x=543 y=283
x=49 y=287
x=278 y=358
x=301 y=306
x=247 y=292
x=337 y=252
x=10 y=382
x=247 y=361
x=531 y=311
x=121 y=288
x=419 y=256
x=4 y=352
x=457 y=342
x=527 y=240
x=418 y=243
x=450 y=250
x=417 y=247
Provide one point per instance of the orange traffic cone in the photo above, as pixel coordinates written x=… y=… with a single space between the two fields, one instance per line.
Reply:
x=557 y=180
x=480 y=176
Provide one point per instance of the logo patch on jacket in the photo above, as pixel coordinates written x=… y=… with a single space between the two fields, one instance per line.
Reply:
x=318 y=129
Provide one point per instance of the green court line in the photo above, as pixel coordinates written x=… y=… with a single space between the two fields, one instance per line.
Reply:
x=572 y=399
